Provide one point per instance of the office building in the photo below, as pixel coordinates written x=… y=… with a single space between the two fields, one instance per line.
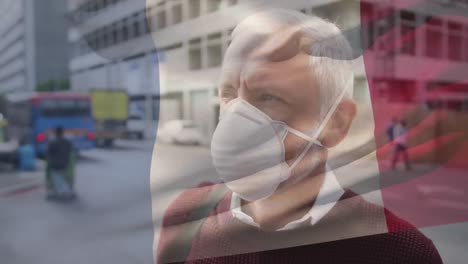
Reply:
x=33 y=44
x=180 y=62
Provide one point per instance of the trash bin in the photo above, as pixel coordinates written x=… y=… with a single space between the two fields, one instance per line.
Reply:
x=26 y=158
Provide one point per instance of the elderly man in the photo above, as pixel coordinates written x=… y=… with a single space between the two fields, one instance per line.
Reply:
x=286 y=98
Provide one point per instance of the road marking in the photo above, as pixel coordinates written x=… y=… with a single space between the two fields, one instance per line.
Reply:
x=20 y=189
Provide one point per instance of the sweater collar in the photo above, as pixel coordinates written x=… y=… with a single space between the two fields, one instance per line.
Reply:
x=329 y=193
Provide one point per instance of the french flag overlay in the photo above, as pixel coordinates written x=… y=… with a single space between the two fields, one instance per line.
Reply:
x=425 y=83
x=417 y=72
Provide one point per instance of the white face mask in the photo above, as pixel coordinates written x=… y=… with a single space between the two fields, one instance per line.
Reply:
x=248 y=149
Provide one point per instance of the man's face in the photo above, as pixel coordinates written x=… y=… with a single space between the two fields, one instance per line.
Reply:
x=276 y=78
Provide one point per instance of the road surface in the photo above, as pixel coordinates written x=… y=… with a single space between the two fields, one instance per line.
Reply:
x=107 y=224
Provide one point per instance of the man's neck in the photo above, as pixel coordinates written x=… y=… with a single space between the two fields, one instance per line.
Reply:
x=288 y=203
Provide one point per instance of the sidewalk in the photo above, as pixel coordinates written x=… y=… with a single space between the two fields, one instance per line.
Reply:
x=13 y=182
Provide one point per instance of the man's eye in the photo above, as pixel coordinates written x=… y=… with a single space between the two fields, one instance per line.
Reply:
x=269 y=98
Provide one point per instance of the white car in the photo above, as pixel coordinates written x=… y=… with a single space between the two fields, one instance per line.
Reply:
x=180 y=132
x=136 y=127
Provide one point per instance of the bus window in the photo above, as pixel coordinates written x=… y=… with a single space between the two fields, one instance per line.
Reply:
x=62 y=107
x=83 y=107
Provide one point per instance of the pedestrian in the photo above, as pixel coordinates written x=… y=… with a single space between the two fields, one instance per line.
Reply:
x=59 y=157
x=390 y=128
x=284 y=104
x=400 y=135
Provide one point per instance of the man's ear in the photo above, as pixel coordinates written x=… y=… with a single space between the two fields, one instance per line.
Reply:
x=338 y=126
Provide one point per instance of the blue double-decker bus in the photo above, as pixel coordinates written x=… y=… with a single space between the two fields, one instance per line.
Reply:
x=34 y=116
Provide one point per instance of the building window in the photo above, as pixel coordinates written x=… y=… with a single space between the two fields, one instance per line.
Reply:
x=401 y=91
x=95 y=39
x=93 y=6
x=143 y=22
x=195 y=54
x=90 y=39
x=136 y=26
x=215 y=55
x=195 y=41
x=99 y=42
x=465 y=45
x=105 y=37
x=213 y=5
x=214 y=37
x=151 y=19
x=195 y=58
x=194 y=8
x=177 y=13
x=434 y=38
x=149 y=24
x=161 y=19
x=124 y=27
x=408 y=33
x=455 y=40
x=214 y=50
x=89 y=8
x=115 y=34
x=367 y=14
x=326 y=12
x=99 y=4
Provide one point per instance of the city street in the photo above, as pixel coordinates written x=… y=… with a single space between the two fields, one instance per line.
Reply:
x=109 y=223
x=381 y=85
x=111 y=220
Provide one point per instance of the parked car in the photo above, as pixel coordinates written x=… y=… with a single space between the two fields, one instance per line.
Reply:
x=180 y=132
x=135 y=127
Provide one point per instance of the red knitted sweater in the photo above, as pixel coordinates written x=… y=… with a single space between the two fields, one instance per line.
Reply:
x=354 y=231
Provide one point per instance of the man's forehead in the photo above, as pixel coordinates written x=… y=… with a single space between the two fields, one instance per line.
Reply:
x=250 y=49
x=278 y=76
x=279 y=43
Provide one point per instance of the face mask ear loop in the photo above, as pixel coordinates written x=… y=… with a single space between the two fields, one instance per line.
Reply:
x=304 y=152
x=299 y=134
x=319 y=130
x=331 y=111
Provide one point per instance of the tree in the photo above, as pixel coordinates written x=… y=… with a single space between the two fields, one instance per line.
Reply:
x=53 y=85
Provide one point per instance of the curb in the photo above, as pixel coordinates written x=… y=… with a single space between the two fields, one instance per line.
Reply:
x=20 y=188
x=29 y=181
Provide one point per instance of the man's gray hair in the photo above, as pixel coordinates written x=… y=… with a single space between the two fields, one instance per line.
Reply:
x=330 y=52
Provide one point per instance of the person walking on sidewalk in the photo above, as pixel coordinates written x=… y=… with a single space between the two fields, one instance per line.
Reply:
x=59 y=155
x=400 y=137
x=390 y=128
